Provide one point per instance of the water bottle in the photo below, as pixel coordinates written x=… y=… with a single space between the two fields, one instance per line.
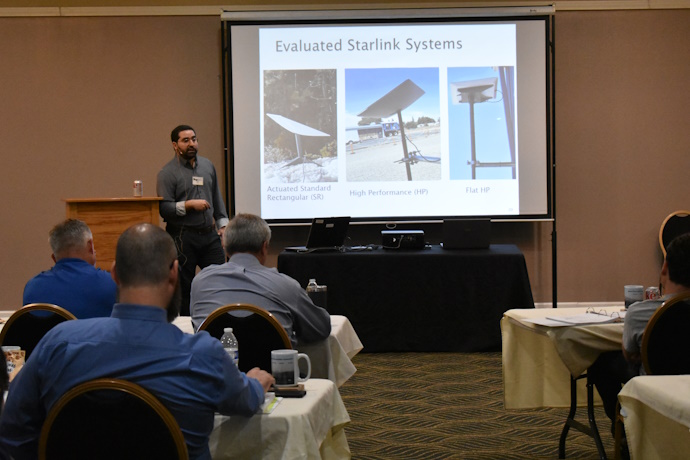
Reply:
x=312 y=286
x=229 y=342
x=316 y=293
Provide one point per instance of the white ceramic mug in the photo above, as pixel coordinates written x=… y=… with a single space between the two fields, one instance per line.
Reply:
x=285 y=367
x=633 y=293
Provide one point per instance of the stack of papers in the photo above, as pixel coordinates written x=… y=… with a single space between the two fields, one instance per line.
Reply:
x=578 y=320
x=270 y=403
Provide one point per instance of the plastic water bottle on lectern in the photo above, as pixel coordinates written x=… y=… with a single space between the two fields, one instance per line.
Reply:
x=230 y=344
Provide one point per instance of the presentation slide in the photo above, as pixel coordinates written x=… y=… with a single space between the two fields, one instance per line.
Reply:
x=389 y=121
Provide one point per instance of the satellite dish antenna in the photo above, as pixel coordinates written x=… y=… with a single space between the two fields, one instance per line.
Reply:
x=397 y=99
x=472 y=92
x=299 y=130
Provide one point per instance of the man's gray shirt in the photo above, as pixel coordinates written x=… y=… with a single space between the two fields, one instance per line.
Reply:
x=176 y=184
x=636 y=319
x=244 y=280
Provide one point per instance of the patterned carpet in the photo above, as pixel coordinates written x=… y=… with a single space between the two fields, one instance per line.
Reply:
x=450 y=406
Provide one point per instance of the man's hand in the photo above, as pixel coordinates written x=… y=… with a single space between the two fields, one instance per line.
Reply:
x=633 y=358
x=264 y=378
x=220 y=231
x=197 y=205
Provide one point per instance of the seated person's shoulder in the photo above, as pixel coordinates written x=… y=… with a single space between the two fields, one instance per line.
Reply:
x=203 y=342
x=643 y=310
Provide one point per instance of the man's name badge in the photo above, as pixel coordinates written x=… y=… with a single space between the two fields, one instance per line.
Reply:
x=196 y=180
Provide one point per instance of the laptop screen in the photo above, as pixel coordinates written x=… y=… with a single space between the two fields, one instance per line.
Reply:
x=327 y=232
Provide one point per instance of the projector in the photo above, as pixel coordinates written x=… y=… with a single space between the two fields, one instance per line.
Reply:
x=402 y=239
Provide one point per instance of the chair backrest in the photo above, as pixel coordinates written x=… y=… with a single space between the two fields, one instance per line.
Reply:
x=674 y=225
x=665 y=343
x=110 y=419
x=257 y=334
x=26 y=329
x=4 y=379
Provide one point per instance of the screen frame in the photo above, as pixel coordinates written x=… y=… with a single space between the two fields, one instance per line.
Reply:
x=373 y=16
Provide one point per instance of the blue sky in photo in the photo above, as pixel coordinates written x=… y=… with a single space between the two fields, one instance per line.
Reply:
x=491 y=138
x=363 y=87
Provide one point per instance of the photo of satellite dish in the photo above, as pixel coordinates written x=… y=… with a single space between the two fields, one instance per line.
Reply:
x=299 y=142
x=393 y=129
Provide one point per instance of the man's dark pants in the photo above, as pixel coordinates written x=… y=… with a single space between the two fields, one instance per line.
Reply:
x=608 y=373
x=195 y=247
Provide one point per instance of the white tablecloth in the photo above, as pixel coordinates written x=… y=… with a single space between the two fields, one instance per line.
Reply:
x=330 y=359
x=657 y=416
x=298 y=428
x=538 y=360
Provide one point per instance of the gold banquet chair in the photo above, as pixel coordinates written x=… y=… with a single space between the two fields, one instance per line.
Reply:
x=665 y=346
x=674 y=225
x=257 y=333
x=25 y=329
x=110 y=419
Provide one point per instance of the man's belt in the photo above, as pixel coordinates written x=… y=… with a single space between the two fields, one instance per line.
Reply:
x=198 y=230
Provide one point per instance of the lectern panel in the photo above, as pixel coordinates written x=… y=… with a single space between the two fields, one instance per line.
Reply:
x=108 y=218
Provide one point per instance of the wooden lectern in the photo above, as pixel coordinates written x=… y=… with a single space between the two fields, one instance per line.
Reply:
x=109 y=217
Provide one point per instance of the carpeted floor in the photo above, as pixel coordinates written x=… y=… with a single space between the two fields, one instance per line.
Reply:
x=450 y=406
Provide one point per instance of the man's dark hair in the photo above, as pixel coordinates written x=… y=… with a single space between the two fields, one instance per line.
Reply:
x=678 y=259
x=246 y=233
x=68 y=235
x=145 y=253
x=175 y=134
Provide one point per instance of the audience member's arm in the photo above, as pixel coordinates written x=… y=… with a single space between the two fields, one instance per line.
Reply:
x=633 y=329
x=265 y=379
x=242 y=393
x=310 y=322
x=632 y=357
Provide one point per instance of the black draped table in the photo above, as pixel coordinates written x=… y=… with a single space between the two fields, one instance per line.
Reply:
x=419 y=300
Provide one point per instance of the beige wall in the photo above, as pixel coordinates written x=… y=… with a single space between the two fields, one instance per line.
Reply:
x=88 y=104
x=87 y=107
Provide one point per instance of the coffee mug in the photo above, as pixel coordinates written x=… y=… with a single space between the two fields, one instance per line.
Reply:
x=285 y=367
x=633 y=293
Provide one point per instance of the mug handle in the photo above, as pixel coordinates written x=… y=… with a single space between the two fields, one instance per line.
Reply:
x=306 y=357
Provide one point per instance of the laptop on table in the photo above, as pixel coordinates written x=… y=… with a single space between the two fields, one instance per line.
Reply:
x=466 y=233
x=326 y=233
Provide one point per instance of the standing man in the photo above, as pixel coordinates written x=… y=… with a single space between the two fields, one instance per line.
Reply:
x=74 y=283
x=192 y=208
x=191 y=374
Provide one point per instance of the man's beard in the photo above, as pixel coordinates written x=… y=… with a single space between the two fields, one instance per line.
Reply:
x=173 y=309
x=187 y=155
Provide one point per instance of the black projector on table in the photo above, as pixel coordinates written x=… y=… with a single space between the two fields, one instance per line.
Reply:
x=402 y=239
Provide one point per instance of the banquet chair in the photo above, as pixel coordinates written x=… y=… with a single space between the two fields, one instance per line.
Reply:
x=110 y=419
x=674 y=225
x=257 y=333
x=665 y=347
x=4 y=379
x=25 y=329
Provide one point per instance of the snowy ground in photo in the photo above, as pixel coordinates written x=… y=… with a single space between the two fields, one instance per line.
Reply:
x=321 y=170
x=375 y=159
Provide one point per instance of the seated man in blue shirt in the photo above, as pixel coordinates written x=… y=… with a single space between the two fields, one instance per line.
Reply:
x=245 y=279
x=191 y=375
x=74 y=283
